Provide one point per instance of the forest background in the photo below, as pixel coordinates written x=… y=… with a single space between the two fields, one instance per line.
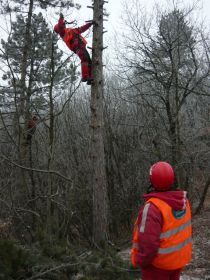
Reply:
x=155 y=107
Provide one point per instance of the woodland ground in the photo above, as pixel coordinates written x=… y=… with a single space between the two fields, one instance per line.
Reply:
x=46 y=261
x=199 y=268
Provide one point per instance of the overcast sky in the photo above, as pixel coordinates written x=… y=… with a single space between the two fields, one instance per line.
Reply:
x=115 y=9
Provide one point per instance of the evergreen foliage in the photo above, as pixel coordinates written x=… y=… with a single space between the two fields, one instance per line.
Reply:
x=18 y=5
x=15 y=260
x=39 y=70
x=61 y=261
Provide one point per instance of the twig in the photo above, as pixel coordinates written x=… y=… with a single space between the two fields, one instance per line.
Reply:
x=60 y=267
x=36 y=170
x=51 y=270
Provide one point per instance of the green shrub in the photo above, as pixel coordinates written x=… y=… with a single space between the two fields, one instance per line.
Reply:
x=15 y=260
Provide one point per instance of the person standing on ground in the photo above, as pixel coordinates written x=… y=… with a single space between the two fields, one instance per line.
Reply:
x=162 y=236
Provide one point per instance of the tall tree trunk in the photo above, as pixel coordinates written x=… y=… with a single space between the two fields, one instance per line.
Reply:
x=24 y=98
x=203 y=196
x=24 y=93
x=51 y=148
x=99 y=181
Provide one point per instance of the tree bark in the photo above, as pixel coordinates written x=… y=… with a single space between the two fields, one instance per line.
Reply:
x=25 y=99
x=203 y=196
x=50 y=218
x=99 y=181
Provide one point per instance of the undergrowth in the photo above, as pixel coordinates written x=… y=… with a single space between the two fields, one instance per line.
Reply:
x=61 y=261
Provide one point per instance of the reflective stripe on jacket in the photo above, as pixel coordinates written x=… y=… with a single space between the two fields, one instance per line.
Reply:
x=138 y=226
x=176 y=237
x=71 y=36
x=135 y=245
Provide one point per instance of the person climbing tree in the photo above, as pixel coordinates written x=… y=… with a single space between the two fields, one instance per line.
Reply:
x=76 y=43
x=162 y=236
x=31 y=128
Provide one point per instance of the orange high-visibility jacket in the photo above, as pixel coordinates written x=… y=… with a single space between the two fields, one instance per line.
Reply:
x=72 y=38
x=175 y=247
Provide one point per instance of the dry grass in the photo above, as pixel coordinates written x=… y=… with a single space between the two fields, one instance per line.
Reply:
x=200 y=264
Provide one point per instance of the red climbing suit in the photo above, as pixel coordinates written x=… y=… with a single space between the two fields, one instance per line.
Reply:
x=76 y=43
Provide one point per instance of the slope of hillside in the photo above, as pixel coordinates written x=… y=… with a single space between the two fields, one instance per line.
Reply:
x=199 y=267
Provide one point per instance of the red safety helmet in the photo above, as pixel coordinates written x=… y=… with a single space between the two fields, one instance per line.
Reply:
x=161 y=175
x=56 y=28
